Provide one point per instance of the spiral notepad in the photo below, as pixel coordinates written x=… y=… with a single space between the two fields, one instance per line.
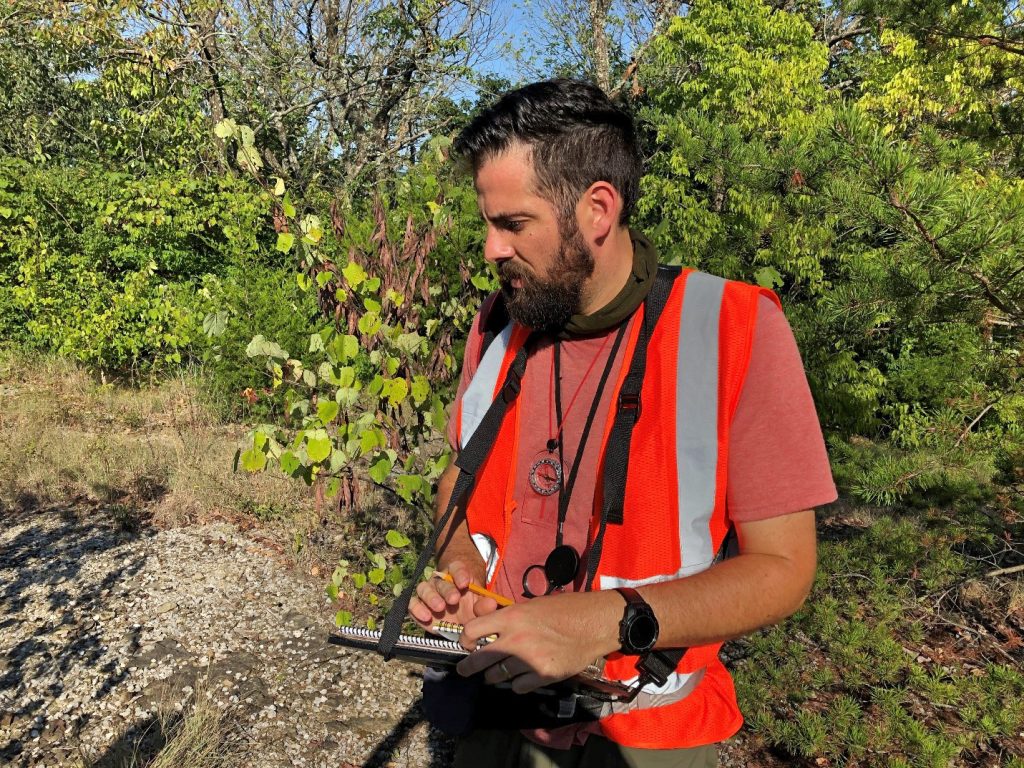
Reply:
x=435 y=651
x=438 y=652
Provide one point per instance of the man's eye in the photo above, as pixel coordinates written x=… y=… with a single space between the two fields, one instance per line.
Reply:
x=513 y=226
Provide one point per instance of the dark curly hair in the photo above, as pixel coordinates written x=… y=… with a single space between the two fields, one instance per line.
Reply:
x=576 y=135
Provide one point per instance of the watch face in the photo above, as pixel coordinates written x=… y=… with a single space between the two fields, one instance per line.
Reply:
x=642 y=632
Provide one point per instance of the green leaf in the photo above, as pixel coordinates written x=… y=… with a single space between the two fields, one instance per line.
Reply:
x=260 y=346
x=326 y=410
x=395 y=575
x=338 y=460
x=343 y=348
x=371 y=623
x=409 y=485
x=323 y=278
x=369 y=323
x=254 y=460
x=396 y=538
x=768 y=277
x=289 y=462
x=332 y=591
x=398 y=390
x=318 y=448
x=225 y=129
x=312 y=229
x=246 y=136
x=278 y=186
x=347 y=396
x=354 y=274
x=215 y=323
x=420 y=389
x=372 y=285
x=371 y=305
x=481 y=282
x=346 y=376
x=381 y=468
x=409 y=342
x=333 y=486
x=288 y=208
x=343 y=618
x=249 y=158
x=304 y=281
x=359 y=580
x=370 y=439
x=376 y=575
x=285 y=241
x=316 y=344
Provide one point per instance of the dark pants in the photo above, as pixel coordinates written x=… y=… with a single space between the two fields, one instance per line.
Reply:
x=510 y=749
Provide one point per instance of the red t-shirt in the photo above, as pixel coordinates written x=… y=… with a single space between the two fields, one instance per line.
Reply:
x=777 y=459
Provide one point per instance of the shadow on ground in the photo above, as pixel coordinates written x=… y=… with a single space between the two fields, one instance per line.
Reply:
x=384 y=754
x=53 y=599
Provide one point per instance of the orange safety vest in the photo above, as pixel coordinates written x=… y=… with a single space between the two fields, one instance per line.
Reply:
x=674 y=509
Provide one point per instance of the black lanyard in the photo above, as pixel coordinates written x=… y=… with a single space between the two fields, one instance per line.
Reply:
x=565 y=490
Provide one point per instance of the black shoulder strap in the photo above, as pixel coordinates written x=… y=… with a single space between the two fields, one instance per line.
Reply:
x=616 y=462
x=494 y=322
x=470 y=459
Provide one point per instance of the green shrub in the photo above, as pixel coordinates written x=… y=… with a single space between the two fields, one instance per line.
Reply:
x=249 y=300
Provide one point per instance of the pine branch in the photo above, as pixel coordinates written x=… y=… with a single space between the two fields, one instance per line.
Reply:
x=944 y=258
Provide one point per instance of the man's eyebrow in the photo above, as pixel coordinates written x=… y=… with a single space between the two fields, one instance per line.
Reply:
x=508 y=216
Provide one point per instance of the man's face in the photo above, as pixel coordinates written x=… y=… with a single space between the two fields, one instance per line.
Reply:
x=543 y=267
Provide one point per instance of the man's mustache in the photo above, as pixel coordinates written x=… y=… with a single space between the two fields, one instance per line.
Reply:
x=507 y=271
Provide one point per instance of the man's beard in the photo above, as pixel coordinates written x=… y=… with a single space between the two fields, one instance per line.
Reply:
x=546 y=304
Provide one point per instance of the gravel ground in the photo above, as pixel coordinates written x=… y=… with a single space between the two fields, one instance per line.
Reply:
x=101 y=627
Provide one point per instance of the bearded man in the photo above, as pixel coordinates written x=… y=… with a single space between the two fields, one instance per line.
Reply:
x=610 y=544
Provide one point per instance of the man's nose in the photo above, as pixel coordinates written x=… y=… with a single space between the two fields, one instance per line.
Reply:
x=497 y=248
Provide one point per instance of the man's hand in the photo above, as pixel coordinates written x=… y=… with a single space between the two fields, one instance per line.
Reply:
x=544 y=640
x=439 y=600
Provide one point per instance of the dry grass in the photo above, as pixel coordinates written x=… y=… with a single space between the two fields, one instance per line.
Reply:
x=155 y=450
x=199 y=735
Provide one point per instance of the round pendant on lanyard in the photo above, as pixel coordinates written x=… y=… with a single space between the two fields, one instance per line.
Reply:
x=546 y=473
x=562 y=564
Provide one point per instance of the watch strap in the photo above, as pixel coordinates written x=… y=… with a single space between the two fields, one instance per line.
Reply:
x=631 y=596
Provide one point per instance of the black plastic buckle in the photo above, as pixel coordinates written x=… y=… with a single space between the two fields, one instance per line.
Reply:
x=654 y=668
x=629 y=401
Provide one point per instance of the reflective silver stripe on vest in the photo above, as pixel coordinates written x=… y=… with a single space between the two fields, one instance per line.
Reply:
x=480 y=393
x=696 y=444
x=697 y=419
x=696 y=428
x=676 y=689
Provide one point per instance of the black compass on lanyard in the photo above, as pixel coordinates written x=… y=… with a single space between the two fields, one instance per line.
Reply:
x=562 y=564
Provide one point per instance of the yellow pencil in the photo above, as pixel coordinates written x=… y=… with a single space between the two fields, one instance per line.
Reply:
x=476 y=589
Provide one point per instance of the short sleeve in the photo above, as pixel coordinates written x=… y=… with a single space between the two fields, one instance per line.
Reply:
x=777 y=458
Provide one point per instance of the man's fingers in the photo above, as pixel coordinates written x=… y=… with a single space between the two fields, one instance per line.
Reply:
x=530 y=681
x=480 y=659
x=421 y=613
x=437 y=595
x=484 y=606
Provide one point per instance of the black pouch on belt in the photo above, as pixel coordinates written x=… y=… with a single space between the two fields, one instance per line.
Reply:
x=457 y=705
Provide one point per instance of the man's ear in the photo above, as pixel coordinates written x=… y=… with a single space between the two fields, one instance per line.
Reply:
x=598 y=210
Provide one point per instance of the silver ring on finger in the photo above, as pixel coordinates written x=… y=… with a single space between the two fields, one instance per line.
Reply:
x=504 y=670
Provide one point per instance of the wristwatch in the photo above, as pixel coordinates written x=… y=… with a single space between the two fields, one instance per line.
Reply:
x=638 y=630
